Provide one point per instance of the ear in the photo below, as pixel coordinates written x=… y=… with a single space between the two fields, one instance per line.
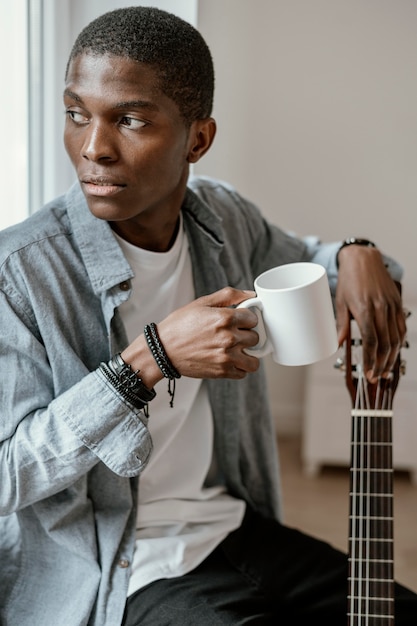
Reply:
x=202 y=133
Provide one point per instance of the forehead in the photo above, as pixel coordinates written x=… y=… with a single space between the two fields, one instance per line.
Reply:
x=109 y=74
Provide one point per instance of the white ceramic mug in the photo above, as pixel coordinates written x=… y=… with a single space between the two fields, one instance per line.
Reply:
x=296 y=321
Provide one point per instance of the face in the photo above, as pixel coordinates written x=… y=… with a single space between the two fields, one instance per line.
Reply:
x=128 y=143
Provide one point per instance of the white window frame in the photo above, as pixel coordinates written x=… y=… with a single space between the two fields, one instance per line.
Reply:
x=13 y=112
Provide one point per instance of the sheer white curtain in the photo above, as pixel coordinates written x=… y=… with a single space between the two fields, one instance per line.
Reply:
x=13 y=112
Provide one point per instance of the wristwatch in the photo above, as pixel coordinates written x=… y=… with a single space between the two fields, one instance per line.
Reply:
x=357 y=241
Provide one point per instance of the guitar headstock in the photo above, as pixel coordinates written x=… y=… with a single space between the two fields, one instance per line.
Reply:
x=352 y=365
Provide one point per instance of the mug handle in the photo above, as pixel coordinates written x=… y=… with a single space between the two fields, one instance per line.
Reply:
x=263 y=347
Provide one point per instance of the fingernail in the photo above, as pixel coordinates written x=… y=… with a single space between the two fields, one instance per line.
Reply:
x=371 y=376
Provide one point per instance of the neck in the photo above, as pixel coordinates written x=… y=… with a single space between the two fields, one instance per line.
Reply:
x=159 y=239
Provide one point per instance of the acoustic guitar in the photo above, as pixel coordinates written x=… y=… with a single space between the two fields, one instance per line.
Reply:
x=371 y=599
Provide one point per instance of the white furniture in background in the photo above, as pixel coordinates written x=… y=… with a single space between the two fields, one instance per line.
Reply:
x=327 y=421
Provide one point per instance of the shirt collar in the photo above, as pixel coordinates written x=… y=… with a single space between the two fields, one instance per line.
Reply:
x=104 y=260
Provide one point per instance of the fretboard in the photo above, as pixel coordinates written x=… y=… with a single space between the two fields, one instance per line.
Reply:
x=371 y=548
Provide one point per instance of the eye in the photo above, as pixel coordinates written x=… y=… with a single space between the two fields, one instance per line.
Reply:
x=132 y=122
x=76 y=117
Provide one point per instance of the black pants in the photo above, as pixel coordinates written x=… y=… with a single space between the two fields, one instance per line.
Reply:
x=263 y=573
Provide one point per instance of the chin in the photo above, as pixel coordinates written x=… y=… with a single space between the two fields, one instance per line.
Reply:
x=106 y=210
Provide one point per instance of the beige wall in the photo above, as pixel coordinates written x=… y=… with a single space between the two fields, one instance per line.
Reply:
x=316 y=103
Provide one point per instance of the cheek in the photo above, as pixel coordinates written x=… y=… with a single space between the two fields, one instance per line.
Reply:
x=161 y=160
x=176 y=157
x=73 y=141
x=69 y=145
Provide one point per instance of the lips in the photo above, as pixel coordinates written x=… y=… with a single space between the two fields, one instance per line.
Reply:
x=101 y=185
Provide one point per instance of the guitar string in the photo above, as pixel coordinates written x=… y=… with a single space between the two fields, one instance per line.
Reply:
x=364 y=403
x=356 y=544
x=354 y=594
x=380 y=489
x=368 y=474
x=353 y=544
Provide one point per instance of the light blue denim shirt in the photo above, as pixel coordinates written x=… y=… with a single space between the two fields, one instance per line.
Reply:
x=71 y=448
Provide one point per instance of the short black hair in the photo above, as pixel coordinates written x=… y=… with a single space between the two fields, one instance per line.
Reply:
x=172 y=46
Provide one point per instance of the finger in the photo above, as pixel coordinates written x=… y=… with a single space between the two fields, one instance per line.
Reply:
x=398 y=329
x=237 y=335
x=242 y=360
x=381 y=343
x=245 y=319
x=342 y=323
x=392 y=321
x=228 y=296
x=369 y=338
x=402 y=315
x=240 y=369
x=387 y=346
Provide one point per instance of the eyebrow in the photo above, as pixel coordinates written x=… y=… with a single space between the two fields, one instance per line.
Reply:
x=127 y=104
x=136 y=104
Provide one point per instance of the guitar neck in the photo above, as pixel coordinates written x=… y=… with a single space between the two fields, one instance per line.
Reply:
x=371 y=546
x=371 y=532
x=371 y=525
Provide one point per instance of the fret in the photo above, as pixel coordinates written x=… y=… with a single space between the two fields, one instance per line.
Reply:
x=371 y=517
x=373 y=605
x=371 y=413
x=378 y=586
x=373 y=564
x=383 y=470
x=375 y=539
x=380 y=444
x=378 y=580
x=370 y=481
x=365 y=621
x=365 y=560
x=373 y=599
x=374 y=524
x=380 y=556
x=372 y=494
x=372 y=470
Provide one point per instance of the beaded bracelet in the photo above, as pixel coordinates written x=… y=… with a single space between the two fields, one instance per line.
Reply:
x=161 y=358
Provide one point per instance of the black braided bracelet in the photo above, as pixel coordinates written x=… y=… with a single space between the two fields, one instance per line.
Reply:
x=158 y=351
x=127 y=382
x=161 y=358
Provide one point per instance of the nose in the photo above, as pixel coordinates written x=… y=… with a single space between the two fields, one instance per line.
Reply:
x=98 y=144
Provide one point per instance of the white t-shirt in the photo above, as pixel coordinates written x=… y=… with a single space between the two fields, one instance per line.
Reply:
x=181 y=519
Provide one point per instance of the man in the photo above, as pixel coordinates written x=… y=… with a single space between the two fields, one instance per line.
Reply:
x=127 y=498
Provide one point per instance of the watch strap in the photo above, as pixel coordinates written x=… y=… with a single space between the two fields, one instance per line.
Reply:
x=354 y=241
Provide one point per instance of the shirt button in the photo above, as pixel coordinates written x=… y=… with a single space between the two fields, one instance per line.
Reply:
x=124 y=563
x=125 y=285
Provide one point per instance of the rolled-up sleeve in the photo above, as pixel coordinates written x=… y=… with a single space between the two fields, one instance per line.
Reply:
x=48 y=440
